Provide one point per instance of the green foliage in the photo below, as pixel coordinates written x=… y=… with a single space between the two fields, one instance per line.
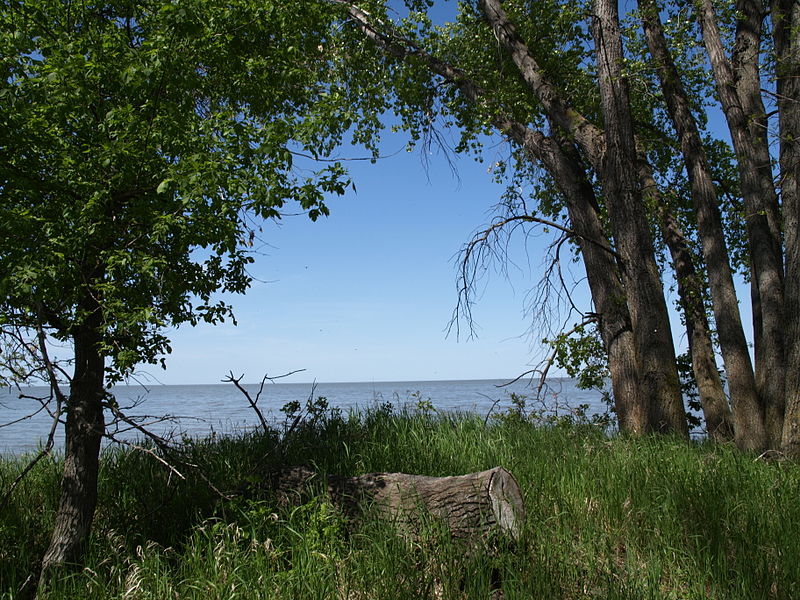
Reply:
x=582 y=356
x=689 y=390
x=423 y=406
x=140 y=146
x=608 y=517
x=547 y=411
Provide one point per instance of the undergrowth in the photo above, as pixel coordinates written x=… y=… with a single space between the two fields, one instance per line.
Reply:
x=607 y=517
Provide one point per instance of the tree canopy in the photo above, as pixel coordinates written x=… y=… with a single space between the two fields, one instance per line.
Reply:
x=607 y=122
x=142 y=142
x=139 y=143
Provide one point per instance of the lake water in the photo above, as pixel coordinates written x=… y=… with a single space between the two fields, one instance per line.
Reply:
x=199 y=410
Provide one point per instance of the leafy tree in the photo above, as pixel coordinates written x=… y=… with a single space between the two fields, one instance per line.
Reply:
x=613 y=119
x=140 y=145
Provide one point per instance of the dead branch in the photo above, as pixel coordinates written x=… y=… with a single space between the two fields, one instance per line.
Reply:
x=482 y=248
x=55 y=391
x=39 y=456
x=167 y=449
x=148 y=451
x=254 y=402
x=162 y=443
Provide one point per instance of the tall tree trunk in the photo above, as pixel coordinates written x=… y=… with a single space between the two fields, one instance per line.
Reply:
x=607 y=292
x=563 y=161
x=621 y=187
x=716 y=411
x=733 y=342
x=84 y=430
x=632 y=405
x=786 y=21
x=739 y=87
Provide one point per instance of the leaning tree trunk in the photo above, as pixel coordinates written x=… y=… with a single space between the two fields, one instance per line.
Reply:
x=562 y=160
x=84 y=430
x=739 y=87
x=622 y=191
x=716 y=411
x=725 y=304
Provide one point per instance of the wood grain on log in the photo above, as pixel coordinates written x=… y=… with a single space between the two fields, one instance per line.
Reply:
x=470 y=505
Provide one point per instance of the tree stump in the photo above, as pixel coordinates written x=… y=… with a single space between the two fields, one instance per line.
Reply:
x=469 y=505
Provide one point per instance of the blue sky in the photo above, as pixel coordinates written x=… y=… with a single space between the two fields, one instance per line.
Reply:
x=367 y=293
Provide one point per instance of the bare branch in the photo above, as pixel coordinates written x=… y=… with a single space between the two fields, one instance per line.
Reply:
x=254 y=402
x=164 y=445
x=474 y=255
x=56 y=415
x=159 y=441
x=148 y=451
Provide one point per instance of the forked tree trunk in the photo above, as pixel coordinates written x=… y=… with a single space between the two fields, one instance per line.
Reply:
x=84 y=430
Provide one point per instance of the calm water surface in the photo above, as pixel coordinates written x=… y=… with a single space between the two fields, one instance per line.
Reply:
x=199 y=410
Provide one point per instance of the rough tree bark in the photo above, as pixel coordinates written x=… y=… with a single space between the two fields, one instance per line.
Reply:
x=786 y=21
x=605 y=283
x=739 y=87
x=716 y=411
x=623 y=194
x=84 y=429
x=725 y=304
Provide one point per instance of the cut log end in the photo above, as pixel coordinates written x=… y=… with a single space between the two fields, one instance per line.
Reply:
x=471 y=506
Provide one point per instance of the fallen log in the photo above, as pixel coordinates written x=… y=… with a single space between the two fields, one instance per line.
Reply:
x=469 y=505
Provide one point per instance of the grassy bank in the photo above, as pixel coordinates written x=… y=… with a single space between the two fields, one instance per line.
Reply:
x=607 y=518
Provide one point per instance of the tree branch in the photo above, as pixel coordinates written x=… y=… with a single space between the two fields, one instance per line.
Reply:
x=254 y=402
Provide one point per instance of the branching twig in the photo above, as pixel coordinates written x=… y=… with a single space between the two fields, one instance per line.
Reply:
x=254 y=402
x=149 y=451
x=56 y=415
x=159 y=441
x=473 y=255
x=517 y=378
x=165 y=446
x=544 y=367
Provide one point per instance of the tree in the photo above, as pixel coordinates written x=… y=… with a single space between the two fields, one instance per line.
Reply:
x=652 y=401
x=563 y=83
x=140 y=145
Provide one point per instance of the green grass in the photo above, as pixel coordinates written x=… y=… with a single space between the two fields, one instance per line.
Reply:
x=607 y=518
